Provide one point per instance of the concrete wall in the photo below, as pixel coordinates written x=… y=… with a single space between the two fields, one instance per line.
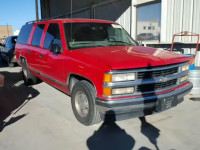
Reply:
x=6 y=31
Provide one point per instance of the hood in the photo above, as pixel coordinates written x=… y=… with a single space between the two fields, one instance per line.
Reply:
x=129 y=57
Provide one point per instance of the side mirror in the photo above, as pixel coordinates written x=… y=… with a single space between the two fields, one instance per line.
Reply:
x=55 y=48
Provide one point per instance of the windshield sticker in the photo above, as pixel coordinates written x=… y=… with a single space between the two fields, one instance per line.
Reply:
x=116 y=26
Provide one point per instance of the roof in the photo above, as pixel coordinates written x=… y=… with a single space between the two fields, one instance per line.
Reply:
x=66 y=20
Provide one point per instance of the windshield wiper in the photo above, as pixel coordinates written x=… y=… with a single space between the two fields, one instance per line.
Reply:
x=121 y=42
x=88 y=43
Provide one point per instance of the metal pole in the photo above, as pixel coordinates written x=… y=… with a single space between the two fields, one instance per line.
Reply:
x=36 y=9
x=7 y=30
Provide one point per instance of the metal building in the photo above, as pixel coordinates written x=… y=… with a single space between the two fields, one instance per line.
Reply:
x=151 y=21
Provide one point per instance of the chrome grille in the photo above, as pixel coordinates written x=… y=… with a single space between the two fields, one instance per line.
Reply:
x=157 y=73
x=156 y=86
x=150 y=80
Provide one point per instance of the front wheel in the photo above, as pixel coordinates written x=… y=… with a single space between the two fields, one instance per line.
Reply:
x=83 y=103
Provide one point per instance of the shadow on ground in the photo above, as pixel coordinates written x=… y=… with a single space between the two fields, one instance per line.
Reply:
x=110 y=136
x=3 y=64
x=151 y=132
x=13 y=96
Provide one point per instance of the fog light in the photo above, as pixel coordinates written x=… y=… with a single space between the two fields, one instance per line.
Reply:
x=120 y=91
x=184 y=78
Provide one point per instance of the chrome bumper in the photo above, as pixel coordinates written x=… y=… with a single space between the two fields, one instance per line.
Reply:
x=140 y=106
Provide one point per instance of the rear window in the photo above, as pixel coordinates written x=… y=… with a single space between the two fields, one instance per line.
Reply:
x=24 y=34
x=38 y=35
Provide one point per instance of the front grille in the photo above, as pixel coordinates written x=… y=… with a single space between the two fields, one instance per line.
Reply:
x=157 y=73
x=156 y=86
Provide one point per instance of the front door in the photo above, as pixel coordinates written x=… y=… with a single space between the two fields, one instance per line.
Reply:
x=52 y=62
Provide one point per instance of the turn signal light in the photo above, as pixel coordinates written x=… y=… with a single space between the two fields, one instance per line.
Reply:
x=107 y=91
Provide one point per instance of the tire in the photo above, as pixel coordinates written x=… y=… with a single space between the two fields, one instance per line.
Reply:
x=10 y=64
x=27 y=76
x=84 y=91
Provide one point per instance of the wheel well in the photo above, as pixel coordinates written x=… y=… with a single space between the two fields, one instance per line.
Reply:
x=21 y=57
x=73 y=79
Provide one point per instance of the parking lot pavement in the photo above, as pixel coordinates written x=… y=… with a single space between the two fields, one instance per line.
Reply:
x=40 y=117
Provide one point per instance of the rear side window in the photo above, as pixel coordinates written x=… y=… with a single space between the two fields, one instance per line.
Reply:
x=38 y=35
x=52 y=36
x=24 y=34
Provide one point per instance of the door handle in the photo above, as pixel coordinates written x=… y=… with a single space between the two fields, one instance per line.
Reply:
x=41 y=55
x=29 y=51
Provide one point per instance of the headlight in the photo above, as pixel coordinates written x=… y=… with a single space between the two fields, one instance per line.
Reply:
x=119 y=77
x=118 y=91
x=185 y=67
x=184 y=78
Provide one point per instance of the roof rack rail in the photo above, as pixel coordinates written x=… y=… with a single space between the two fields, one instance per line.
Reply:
x=46 y=19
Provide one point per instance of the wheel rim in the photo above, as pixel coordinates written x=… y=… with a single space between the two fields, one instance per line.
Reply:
x=81 y=104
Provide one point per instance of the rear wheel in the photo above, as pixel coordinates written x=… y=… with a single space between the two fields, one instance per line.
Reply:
x=10 y=64
x=27 y=76
x=83 y=103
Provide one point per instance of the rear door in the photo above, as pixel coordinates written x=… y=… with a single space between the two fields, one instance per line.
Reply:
x=34 y=59
x=52 y=63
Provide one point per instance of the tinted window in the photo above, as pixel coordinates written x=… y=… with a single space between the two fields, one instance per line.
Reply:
x=24 y=34
x=52 y=36
x=38 y=35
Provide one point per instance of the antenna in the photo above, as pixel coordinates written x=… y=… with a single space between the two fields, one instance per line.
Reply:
x=71 y=8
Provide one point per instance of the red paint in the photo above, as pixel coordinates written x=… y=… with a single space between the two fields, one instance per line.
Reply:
x=90 y=63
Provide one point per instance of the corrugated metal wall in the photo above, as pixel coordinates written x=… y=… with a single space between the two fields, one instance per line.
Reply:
x=181 y=15
x=120 y=11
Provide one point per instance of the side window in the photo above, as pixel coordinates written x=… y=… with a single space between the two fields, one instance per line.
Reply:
x=24 y=34
x=52 y=36
x=38 y=35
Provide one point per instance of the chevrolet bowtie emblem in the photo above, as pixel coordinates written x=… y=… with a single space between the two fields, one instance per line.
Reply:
x=164 y=79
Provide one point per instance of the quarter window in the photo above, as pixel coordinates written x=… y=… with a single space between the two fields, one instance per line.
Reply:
x=38 y=35
x=24 y=34
x=52 y=36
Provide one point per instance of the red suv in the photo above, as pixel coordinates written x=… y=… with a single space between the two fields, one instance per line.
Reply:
x=102 y=68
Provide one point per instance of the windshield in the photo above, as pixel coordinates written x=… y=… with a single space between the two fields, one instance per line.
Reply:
x=84 y=35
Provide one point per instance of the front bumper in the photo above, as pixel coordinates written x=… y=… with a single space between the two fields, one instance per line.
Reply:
x=141 y=106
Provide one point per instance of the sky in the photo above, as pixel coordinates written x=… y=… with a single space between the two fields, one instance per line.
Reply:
x=17 y=12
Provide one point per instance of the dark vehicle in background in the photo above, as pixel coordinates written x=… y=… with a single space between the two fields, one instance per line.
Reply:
x=146 y=37
x=7 y=51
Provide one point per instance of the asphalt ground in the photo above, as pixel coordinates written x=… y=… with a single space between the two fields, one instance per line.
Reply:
x=40 y=117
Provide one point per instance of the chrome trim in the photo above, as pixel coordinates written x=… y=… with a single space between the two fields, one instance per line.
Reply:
x=143 y=93
x=145 y=81
x=146 y=69
x=146 y=98
x=47 y=77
